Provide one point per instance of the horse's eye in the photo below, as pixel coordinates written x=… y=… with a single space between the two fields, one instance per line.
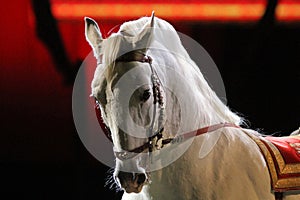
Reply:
x=146 y=95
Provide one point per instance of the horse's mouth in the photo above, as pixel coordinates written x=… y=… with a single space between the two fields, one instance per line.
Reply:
x=132 y=188
x=132 y=183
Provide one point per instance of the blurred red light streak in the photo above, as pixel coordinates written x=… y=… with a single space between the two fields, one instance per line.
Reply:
x=179 y=11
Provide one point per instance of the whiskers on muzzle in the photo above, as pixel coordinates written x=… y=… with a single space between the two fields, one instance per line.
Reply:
x=111 y=181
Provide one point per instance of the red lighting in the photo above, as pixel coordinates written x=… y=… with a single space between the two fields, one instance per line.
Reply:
x=179 y=11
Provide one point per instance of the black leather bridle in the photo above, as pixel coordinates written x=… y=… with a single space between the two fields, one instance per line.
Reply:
x=156 y=139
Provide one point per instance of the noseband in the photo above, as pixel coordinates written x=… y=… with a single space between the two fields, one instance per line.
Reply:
x=156 y=139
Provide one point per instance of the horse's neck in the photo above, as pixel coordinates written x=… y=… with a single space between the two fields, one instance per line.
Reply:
x=192 y=104
x=219 y=175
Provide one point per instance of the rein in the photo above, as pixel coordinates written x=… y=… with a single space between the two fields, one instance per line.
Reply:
x=124 y=155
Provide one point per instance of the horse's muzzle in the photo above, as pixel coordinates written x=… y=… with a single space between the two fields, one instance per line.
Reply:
x=132 y=182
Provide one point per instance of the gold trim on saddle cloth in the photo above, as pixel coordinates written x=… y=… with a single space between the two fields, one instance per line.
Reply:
x=284 y=176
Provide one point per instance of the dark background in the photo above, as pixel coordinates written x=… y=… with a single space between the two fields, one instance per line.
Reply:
x=41 y=155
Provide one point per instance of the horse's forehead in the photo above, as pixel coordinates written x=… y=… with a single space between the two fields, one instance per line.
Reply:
x=128 y=75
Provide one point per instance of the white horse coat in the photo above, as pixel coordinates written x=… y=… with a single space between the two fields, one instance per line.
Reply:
x=222 y=164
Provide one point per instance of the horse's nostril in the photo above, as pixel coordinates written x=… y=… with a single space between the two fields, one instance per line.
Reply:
x=141 y=178
x=124 y=176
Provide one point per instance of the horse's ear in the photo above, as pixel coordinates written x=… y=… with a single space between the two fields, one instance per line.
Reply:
x=144 y=38
x=93 y=35
x=152 y=20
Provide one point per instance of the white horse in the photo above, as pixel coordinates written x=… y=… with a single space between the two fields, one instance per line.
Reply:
x=152 y=97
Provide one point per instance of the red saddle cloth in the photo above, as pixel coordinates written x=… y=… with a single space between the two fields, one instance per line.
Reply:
x=282 y=155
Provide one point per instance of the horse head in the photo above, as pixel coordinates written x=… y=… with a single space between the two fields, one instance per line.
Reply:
x=141 y=86
x=128 y=91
